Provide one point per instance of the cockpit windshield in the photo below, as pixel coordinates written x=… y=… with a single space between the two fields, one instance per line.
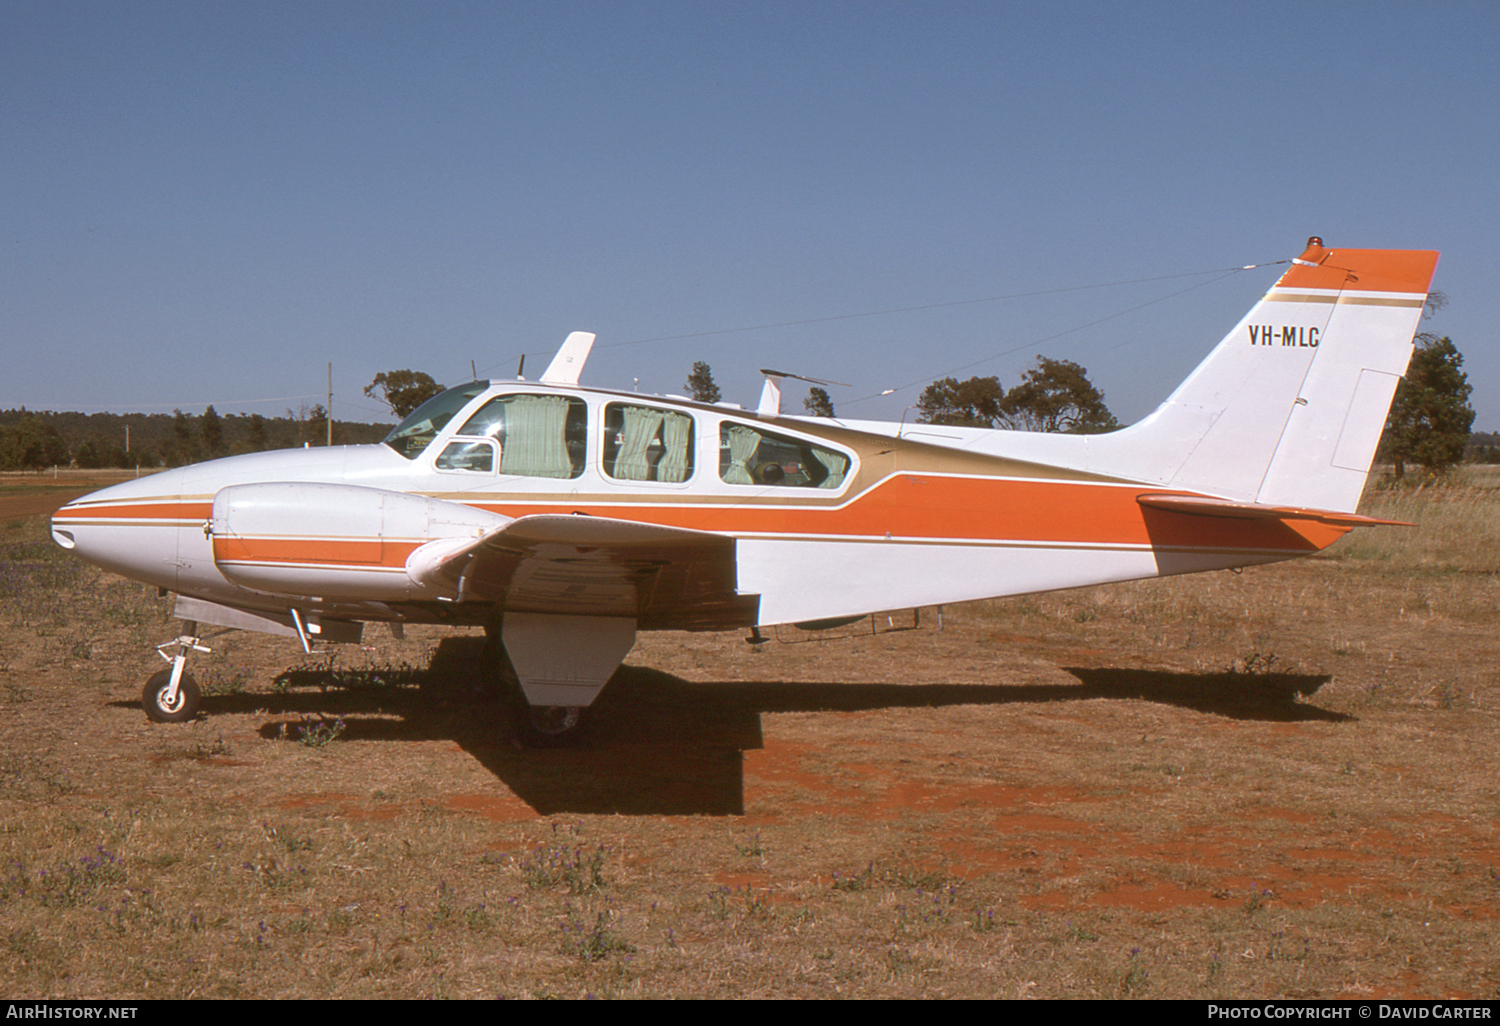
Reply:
x=422 y=425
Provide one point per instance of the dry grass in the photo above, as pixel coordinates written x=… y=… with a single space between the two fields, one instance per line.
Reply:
x=1275 y=783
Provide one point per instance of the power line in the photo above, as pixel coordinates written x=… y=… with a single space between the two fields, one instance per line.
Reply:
x=1222 y=272
x=1042 y=341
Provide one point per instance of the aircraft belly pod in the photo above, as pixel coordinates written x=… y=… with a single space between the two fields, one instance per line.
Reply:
x=564 y=519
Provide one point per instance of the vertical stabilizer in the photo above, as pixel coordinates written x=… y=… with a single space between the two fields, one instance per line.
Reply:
x=1289 y=407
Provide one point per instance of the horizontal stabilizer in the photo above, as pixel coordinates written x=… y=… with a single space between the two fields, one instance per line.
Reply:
x=1208 y=507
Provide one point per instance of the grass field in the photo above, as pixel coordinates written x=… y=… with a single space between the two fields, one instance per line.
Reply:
x=1274 y=783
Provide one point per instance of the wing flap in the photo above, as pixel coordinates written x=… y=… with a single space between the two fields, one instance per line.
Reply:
x=664 y=577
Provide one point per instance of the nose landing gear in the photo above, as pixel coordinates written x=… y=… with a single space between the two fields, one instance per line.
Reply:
x=172 y=696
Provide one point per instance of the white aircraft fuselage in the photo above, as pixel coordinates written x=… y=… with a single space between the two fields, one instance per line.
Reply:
x=567 y=518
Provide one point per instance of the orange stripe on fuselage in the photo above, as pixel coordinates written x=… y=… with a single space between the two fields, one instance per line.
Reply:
x=972 y=510
x=150 y=510
x=904 y=506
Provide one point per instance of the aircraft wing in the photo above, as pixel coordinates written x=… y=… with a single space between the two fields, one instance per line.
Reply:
x=664 y=577
x=1204 y=506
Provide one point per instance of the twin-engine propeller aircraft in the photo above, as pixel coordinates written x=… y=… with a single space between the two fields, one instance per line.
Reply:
x=565 y=519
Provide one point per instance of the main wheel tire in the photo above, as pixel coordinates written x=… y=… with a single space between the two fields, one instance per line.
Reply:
x=554 y=726
x=556 y=720
x=153 y=698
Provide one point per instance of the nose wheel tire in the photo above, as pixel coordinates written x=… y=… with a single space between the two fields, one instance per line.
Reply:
x=153 y=699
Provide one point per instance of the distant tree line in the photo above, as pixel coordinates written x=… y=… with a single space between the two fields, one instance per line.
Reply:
x=1483 y=447
x=34 y=441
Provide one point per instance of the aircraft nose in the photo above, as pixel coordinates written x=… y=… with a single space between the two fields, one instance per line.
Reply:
x=67 y=520
x=74 y=524
x=128 y=528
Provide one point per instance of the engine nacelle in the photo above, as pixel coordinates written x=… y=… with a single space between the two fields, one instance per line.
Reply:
x=337 y=541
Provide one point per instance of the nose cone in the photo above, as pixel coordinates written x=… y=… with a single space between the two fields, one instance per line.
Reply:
x=152 y=529
x=129 y=528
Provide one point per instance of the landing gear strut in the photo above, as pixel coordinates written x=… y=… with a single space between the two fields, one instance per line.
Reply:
x=172 y=696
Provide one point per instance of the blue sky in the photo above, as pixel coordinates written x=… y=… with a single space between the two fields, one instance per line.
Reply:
x=209 y=202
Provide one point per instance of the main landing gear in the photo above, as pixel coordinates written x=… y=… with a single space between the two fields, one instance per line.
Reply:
x=556 y=665
x=532 y=726
x=172 y=695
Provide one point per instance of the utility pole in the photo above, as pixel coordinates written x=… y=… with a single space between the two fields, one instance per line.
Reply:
x=330 y=404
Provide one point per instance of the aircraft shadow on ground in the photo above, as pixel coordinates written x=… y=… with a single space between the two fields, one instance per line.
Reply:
x=660 y=745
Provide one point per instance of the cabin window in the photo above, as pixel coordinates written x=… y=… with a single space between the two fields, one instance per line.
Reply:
x=750 y=456
x=422 y=425
x=644 y=443
x=474 y=455
x=537 y=435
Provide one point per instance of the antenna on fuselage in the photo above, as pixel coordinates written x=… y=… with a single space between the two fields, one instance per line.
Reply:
x=520 y=368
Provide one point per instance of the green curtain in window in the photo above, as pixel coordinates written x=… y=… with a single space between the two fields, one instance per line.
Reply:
x=677 y=431
x=536 y=437
x=836 y=465
x=638 y=428
x=743 y=442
